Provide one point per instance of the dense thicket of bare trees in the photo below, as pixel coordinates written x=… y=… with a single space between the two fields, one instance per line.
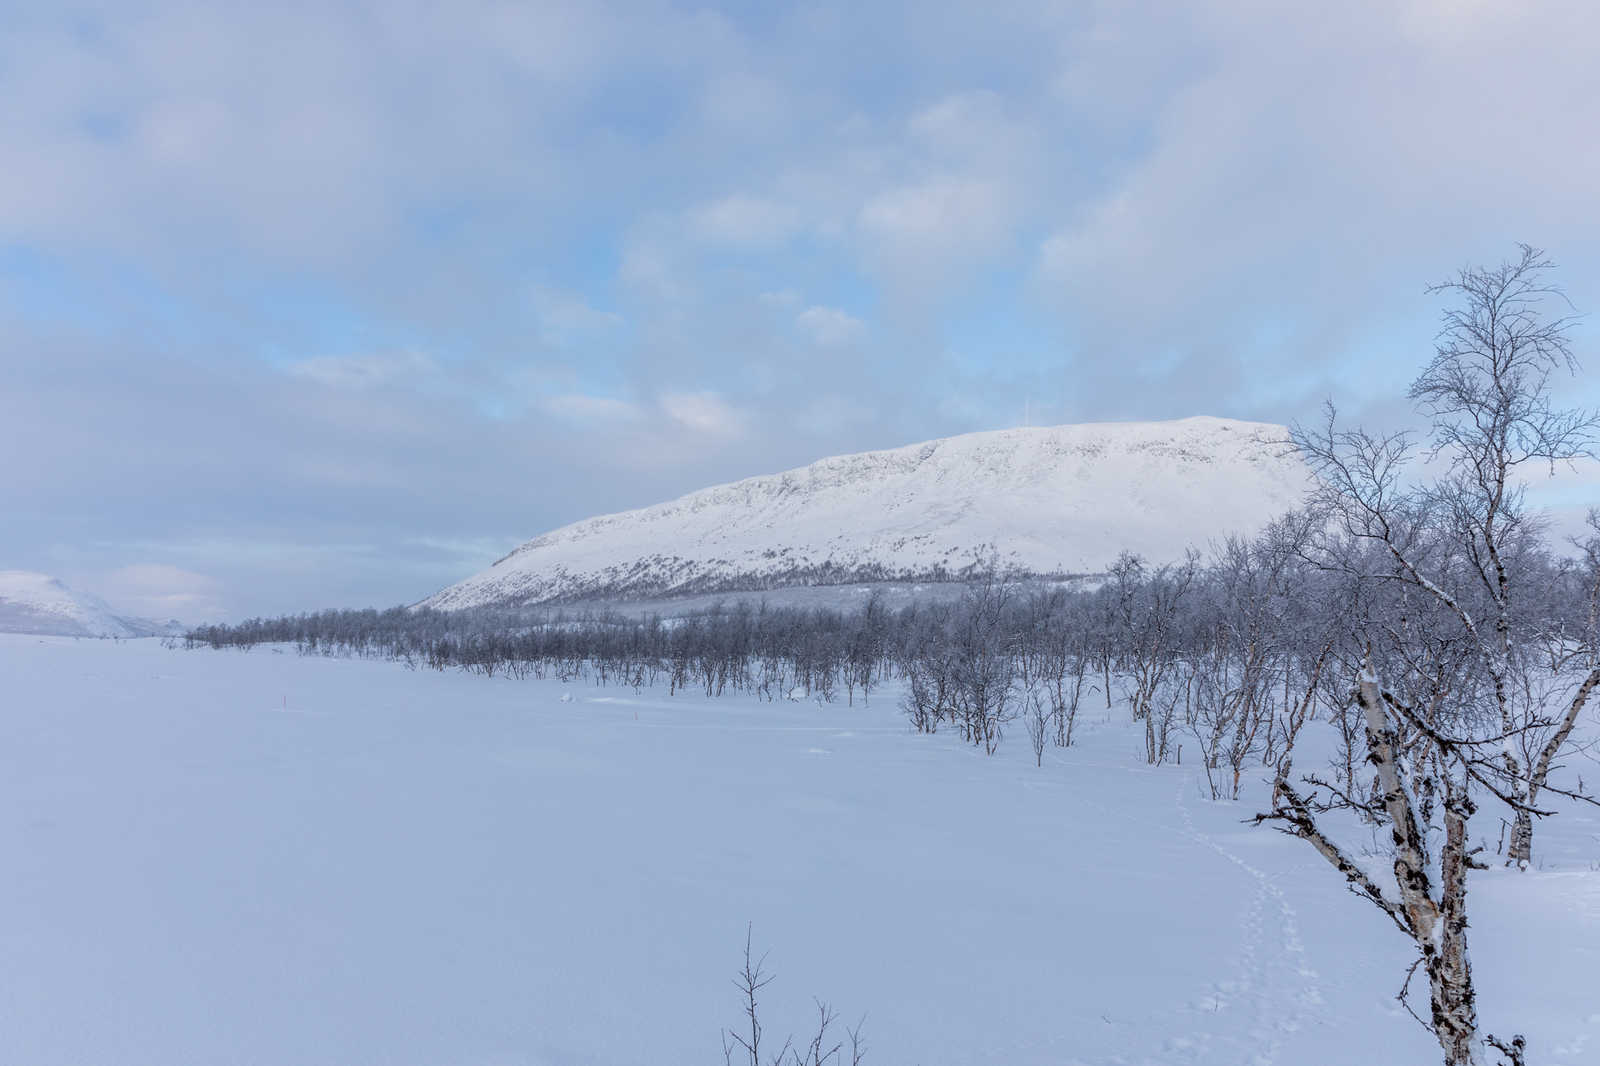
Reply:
x=1221 y=660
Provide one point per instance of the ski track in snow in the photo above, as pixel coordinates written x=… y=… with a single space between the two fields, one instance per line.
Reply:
x=1273 y=980
x=1274 y=974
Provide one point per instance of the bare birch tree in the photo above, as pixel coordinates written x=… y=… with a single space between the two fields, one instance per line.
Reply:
x=1468 y=538
x=1487 y=391
x=1466 y=684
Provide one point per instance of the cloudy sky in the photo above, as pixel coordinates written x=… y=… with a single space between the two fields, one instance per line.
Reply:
x=332 y=303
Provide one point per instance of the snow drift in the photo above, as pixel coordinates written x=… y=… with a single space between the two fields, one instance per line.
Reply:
x=38 y=603
x=1049 y=501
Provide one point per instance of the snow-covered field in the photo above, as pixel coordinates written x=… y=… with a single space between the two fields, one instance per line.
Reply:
x=226 y=858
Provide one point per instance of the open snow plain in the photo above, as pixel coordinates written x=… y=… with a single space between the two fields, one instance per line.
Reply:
x=214 y=857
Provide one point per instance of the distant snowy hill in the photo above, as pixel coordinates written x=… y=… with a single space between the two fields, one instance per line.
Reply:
x=38 y=603
x=1050 y=501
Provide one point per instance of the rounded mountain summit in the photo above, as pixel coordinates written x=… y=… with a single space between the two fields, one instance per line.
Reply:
x=1048 y=502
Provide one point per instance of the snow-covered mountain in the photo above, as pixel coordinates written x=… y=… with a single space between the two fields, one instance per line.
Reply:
x=1049 y=501
x=38 y=603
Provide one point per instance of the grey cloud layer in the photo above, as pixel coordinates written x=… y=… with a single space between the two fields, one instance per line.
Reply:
x=329 y=302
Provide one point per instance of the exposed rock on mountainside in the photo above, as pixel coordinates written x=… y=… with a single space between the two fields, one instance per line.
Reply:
x=1049 y=501
x=38 y=603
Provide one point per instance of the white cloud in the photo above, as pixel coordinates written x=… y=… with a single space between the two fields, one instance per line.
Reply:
x=159 y=590
x=831 y=327
x=945 y=215
x=361 y=371
x=703 y=412
x=567 y=312
x=568 y=323
x=745 y=222
x=579 y=409
x=1301 y=187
